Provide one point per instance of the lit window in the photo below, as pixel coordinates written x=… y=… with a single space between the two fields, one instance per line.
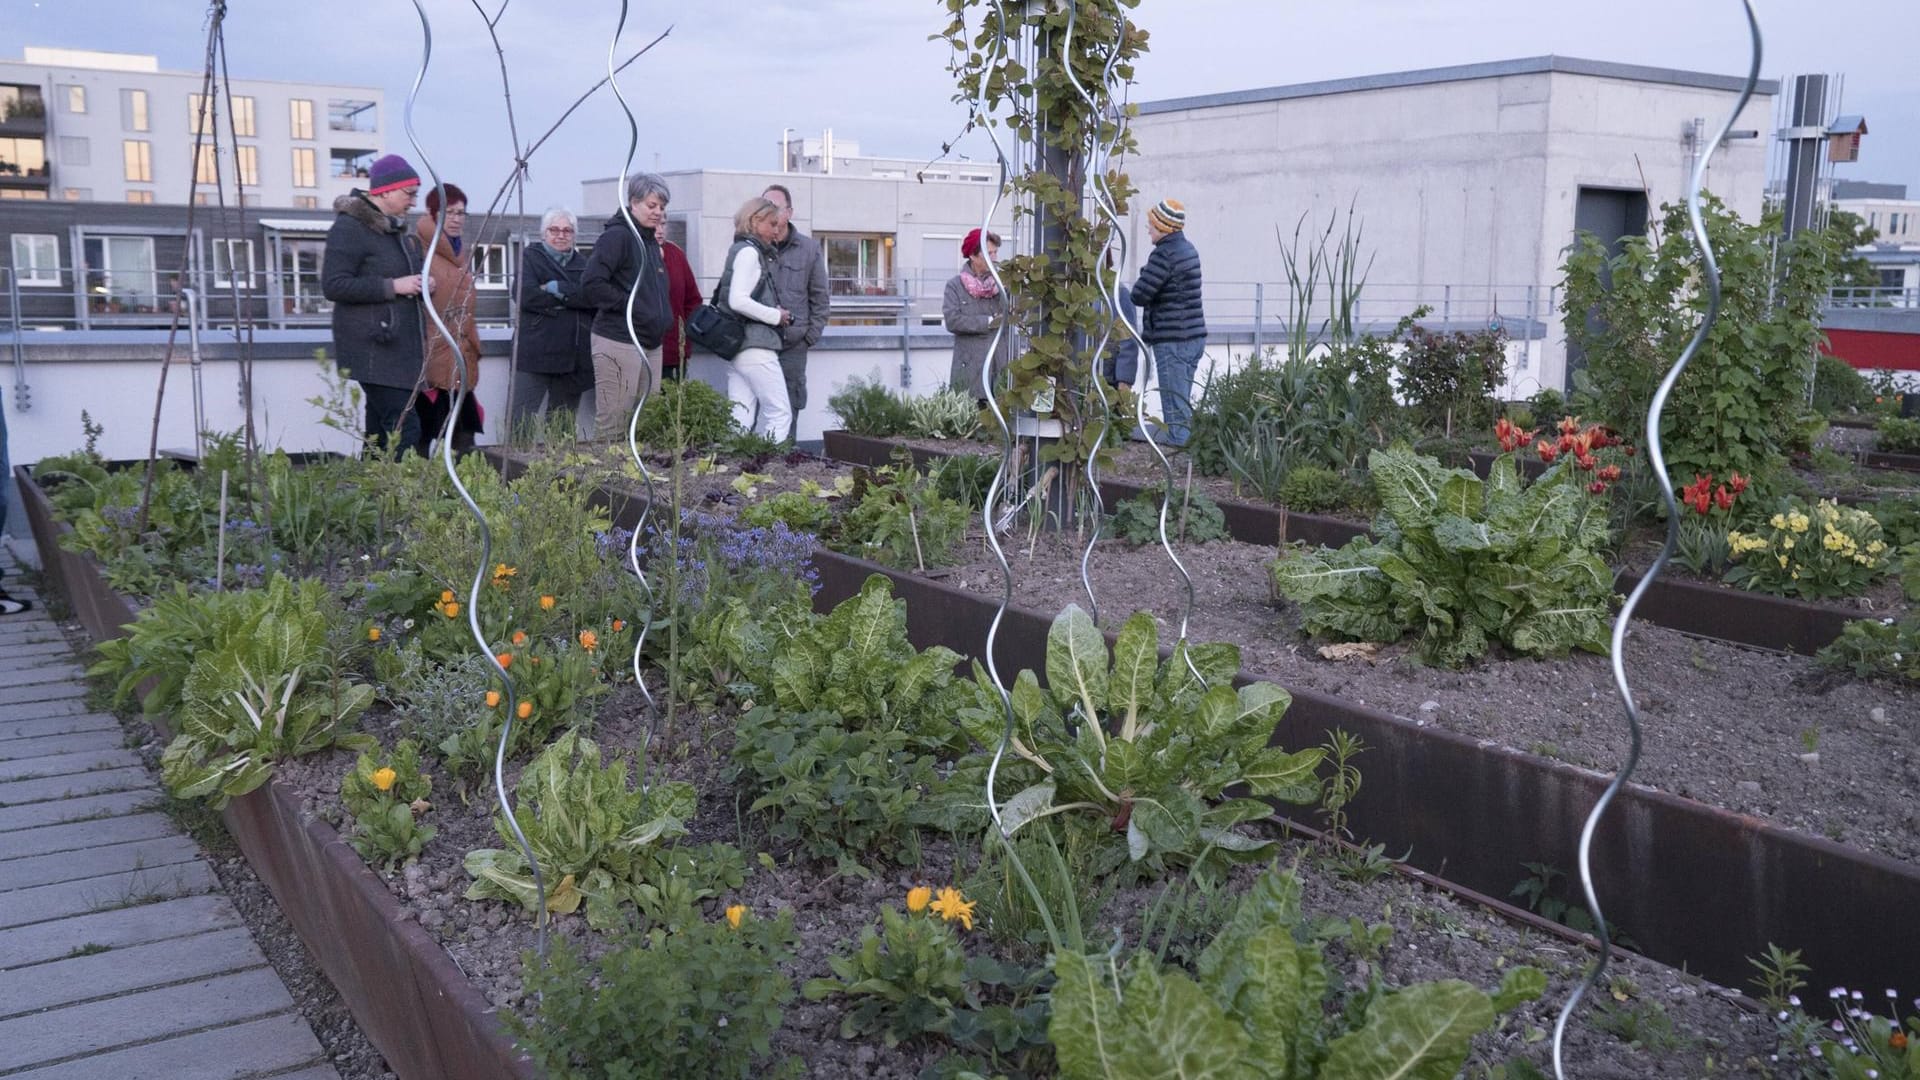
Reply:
x=133 y=111
x=76 y=99
x=300 y=118
x=120 y=277
x=229 y=256
x=139 y=196
x=206 y=166
x=79 y=194
x=249 y=166
x=200 y=120
x=138 y=155
x=23 y=194
x=36 y=259
x=859 y=264
x=23 y=157
x=306 y=202
x=304 y=167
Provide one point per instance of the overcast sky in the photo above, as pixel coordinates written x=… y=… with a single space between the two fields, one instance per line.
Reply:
x=718 y=91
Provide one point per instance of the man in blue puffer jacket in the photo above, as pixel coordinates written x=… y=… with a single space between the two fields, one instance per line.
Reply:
x=1168 y=296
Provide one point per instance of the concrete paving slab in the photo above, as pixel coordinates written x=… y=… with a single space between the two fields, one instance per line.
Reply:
x=242 y=1052
x=40 y=710
x=25 y=695
x=80 y=835
x=94 y=862
x=39 y=674
x=45 y=941
x=149 y=1014
x=21 y=792
x=82 y=808
x=18 y=652
x=67 y=764
x=47 y=745
x=99 y=894
x=58 y=725
x=137 y=967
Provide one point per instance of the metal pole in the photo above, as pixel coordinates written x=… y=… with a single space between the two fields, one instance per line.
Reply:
x=1804 y=138
x=22 y=396
x=1259 y=315
x=906 y=333
x=192 y=298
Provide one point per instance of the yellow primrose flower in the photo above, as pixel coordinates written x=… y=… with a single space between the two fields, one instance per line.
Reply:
x=1833 y=542
x=1783 y=561
x=735 y=914
x=1798 y=521
x=918 y=898
x=1779 y=521
x=953 y=907
x=1876 y=547
x=1786 y=543
x=384 y=777
x=546 y=603
x=373 y=633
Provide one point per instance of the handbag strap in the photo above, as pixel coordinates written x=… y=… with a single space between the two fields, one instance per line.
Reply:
x=725 y=286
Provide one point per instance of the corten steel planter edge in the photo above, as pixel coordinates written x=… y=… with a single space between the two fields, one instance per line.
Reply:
x=403 y=988
x=1878 y=459
x=1695 y=887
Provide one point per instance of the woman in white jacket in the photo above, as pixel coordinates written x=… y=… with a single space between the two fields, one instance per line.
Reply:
x=746 y=289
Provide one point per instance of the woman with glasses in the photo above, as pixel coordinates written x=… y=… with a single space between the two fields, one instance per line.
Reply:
x=450 y=277
x=553 y=365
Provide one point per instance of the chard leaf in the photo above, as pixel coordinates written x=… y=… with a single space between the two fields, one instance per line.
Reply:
x=1420 y=1033
x=1025 y=806
x=1077 y=662
x=1136 y=660
x=1276 y=774
x=1520 y=984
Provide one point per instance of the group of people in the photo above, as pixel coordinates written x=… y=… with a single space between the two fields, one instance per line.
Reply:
x=1163 y=305
x=613 y=322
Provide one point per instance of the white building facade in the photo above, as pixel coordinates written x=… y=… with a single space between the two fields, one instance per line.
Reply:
x=112 y=127
x=1470 y=182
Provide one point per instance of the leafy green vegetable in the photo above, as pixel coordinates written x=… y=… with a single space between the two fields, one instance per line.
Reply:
x=1463 y=563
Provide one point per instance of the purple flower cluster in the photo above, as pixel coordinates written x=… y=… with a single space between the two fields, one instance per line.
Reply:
x=242 y=532
x=612 y=544
x=716 y=544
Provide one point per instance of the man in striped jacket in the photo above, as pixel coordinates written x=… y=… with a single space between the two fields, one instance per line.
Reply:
x=1168 y=296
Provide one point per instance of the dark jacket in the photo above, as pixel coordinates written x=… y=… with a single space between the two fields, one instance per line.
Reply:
x=1122 y=362
x=800 y=280
x=683 y=291
x=554 y=330
x=376 y=335
x=618 y=257
x=1168 y=292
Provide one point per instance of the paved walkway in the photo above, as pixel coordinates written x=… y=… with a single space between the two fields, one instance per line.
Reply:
x=119 y=956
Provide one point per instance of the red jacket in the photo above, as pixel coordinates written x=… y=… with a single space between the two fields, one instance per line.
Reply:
x=683 y=294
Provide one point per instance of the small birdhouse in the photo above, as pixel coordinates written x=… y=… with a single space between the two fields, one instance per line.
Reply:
x=1843 y=138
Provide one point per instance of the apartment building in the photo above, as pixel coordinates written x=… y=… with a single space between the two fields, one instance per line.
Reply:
x=84 y=126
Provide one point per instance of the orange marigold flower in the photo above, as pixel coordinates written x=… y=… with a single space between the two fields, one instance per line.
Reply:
x=451 y=611
x=384 y=777
x=525 y=710
x=519 y=637
x=619 y=625
x=505 y=659
x=446 y=596
x=1898 y=1040
x=493 y=699
x=918 y=899
x=735 y=914
x=373 y=633
x=589 y=640
x=546 y=603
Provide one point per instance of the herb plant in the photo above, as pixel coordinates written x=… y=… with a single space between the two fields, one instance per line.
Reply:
x=900 y=518
x=946 y=413
x=1192 y=516
x=685 y=414
x=386 y=799
x=1897 y=435
x=869 y=408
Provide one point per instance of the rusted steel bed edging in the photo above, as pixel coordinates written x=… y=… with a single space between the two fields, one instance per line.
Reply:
x=403 y=988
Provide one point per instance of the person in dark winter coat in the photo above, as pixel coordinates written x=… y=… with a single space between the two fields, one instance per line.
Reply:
x=683 y=292
x=1168 y=296
x=623 y=254
x=800 y=279
x=554 y=361
x=973 y=309
x=371 y=272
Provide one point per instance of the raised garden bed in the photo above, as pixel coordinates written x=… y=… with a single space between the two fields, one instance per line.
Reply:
x=1875 y=459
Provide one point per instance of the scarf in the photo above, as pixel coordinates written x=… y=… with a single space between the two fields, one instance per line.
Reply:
x=979 y=288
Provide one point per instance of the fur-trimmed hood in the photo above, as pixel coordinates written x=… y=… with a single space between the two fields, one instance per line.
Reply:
x=357 y=206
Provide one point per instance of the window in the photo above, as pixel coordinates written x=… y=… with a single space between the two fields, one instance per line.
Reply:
x=133 y=111
x=300 y=118
x=136 y=196
x=1889 y=279
x=306 y=202
x=76 y=150
x=300 y=276
x=23 y=194
x=229 y=256
x=243 y=116
x=138 y=155
x=79 y=194
x=206 y=166
x=120 y=275
x=1893 y=224
x=76 y=99
x=21 y=103
x=249 y=166
x=22 y=157
x=490 y=266
x=352 y=114
x=303 y=167
x=200 y=114
x=36 y=259
x=859 y=264
x=347 y=162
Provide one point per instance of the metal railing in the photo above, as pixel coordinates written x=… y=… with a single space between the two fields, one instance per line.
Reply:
x=1874 y=298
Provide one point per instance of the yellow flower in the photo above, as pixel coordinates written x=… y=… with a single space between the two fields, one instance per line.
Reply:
x=1779 y=521
x=446 y=596
x=546 y=603
x=953 y=907
x=501 y=573
x=1833 y=541
x=525 y=710
x=451 y=611
x=493 y=699
x=1876 y=547
x=1783 y=561
x=735 y=914
x=589 y=640
x=1798 y=521
x=384 y=777
x=373 y=633
x=1786 y=543
x=918 y=898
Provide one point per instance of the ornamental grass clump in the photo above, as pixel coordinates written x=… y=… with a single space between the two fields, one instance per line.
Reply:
x=1813 y=552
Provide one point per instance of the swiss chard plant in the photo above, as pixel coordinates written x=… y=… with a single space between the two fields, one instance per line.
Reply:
x=1462 y=563
x=1144 y=748
x=1258 y=1010
x=599 y=843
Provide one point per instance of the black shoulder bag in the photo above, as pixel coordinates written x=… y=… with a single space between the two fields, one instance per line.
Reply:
x=713 y=325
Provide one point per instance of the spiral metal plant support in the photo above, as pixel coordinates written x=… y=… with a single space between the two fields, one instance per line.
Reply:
x=1098 y=149
x=646 y=391
x=981 y=116
x=461 y=390
x=1656 y=456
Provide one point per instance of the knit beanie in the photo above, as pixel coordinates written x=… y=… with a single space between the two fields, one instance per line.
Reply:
x=390 y=173
x=1168 y=216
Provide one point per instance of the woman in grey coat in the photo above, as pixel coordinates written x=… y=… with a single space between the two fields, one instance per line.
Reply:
x=973 y=310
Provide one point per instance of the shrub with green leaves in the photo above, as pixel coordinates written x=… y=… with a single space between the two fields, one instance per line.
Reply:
x=796 y=510
x=905 y=979
x=703 y=1001
x=1259 y=1007
x=685 y=414
x=1462 y=563
x=1313 y=489
x=1192 y=516
x=1839 y=389
x=946 y=413
x=1877 y=648
x=900 y=518
x=1897 y=435
x=869 y=408
x=386 y=799
x=598 y=842
x=250 y=679
x=1152 y=748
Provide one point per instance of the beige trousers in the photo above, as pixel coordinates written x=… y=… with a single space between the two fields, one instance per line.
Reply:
x=619 y=371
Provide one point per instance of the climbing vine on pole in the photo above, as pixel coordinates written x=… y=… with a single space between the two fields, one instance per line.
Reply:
x=1055 y=290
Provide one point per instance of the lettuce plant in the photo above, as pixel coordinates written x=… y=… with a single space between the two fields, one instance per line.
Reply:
x=1147 y=747
x=1258 y=1010
x=1463 y=563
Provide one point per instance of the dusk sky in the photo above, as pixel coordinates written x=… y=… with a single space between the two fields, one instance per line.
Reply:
x=719 y=90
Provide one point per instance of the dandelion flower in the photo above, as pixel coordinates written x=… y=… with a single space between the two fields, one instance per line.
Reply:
x=918 y=898
x=384 y=777
x=953 y=907
x=546 y=603
x=493 y=699
x=525 y=710
x=735 y=914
